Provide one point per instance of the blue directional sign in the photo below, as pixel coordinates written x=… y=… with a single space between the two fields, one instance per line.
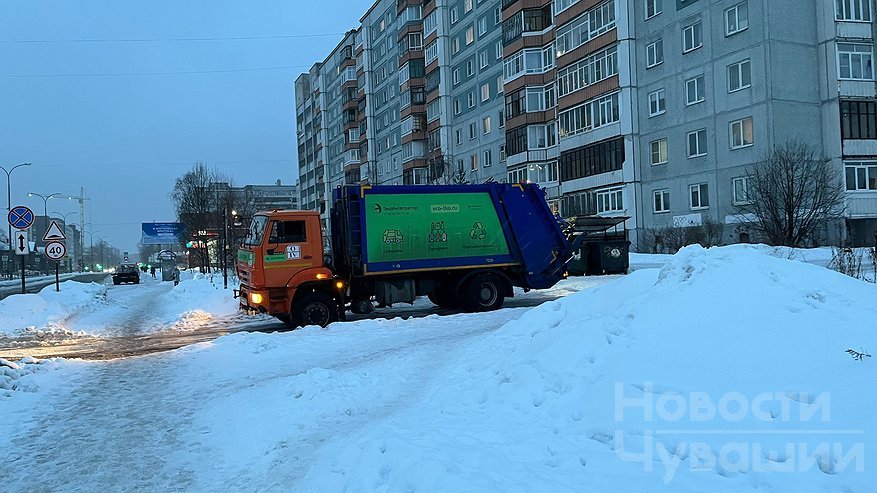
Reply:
x=20 y=217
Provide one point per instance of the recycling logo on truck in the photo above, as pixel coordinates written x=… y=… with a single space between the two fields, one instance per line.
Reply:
x=478 y=232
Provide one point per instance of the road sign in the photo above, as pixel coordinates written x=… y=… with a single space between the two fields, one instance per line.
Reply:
x=56 y=250
x=20 y=243
x=20 y=217
x=54 y=233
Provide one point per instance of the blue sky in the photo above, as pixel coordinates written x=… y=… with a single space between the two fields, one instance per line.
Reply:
x=125 y=138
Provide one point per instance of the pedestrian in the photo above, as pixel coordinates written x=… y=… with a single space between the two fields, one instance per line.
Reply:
x=152 y=270
x=176 y=276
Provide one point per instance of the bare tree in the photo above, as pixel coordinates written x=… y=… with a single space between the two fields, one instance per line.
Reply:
x=792 y=192
x=194 y=202
x=441 y=169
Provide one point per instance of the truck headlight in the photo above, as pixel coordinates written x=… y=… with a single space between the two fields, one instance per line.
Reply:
x=255 y=298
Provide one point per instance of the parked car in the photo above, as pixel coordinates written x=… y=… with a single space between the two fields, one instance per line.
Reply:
x=126 y=273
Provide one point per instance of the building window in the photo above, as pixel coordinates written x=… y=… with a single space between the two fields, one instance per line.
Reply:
x=467 y=6
x=453 y=15
x=692 y=37
x=456 y=76
x=694 y=90
x=540 y=98
x=854 y=61
x=740 y=189
x=741 y=133
x=594 y=68
x=502 y=153
x=700 y=196
x=657 y=103
x=470 y=35
x=498 y=48
x=501 y=118
x=610 y=200
x=431 y=52
x=659 y=151
x=488 y=158
x=485 y=124
x=861 y=176
x=497 y=16
x=585 y=27
x=499 y=85
x=697 y=143
x=459 y=136
x=739 y=76
x=473 y=162
x=655 y=53
x=471 y=98
x=470 y=68
x=593 y=159
x=736 y=19
x=482 y=25
x=485 y=92
x=472 y=131
x=483 y=60
x=653 y=8
x=588 y=116
x=852 y=10
x=858 y=119
x=662 y=201
x=456 y=106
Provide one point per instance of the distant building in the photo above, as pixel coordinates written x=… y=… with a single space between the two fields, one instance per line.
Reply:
x=268 y=197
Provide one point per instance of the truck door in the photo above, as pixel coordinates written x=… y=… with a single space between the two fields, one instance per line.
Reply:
x=288 y=240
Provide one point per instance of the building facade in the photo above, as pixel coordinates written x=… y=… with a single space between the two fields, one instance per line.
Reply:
x=649 y=109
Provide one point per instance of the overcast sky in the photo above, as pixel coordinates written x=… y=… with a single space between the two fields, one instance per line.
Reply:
x=125 y=138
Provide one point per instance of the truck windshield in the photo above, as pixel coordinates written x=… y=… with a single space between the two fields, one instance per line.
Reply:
x=257 y=229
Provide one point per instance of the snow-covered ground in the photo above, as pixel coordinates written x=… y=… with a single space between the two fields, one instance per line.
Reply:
x=91 y=309
x=724 y=370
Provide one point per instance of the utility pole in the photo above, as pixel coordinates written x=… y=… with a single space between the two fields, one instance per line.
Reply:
x=224 y=248
x=81 y=198
x=9 y=196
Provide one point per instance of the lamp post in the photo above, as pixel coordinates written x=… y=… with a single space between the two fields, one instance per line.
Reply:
x=91 y=247
x=9 y=195
x=45 y=210
x=64 y=220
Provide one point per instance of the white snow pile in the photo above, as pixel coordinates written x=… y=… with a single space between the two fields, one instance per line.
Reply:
x=726 y=370
x=13 y=374
x=198 y=299
x=44 y=312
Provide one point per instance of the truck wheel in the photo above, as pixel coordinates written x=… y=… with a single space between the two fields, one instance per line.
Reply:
x=315 y=309
x=482 y=294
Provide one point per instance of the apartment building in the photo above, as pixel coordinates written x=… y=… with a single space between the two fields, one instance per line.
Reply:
x=651 y=109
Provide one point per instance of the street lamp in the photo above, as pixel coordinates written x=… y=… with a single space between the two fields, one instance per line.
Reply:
x=91 y=247
x=45 y=202
x=9 y=194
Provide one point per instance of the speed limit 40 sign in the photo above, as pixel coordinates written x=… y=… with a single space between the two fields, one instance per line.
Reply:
x=56 y=250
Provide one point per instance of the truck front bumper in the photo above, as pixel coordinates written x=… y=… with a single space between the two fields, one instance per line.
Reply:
x=252 y=300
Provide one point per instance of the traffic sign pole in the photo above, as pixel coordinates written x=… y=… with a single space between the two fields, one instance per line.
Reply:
x=57 y=278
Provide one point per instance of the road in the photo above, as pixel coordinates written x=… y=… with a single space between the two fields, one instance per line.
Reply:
x=35 y=284
x=127 y=325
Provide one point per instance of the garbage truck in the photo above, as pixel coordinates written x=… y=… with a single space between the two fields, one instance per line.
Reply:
x=464 y=246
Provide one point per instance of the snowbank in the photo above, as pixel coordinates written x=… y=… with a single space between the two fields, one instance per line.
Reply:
x=198 y=298
x=45 y=311
x=725 y=371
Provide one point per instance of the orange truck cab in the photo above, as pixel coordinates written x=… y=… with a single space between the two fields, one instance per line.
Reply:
x=282 y=272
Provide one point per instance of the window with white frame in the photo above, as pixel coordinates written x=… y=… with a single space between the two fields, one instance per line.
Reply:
x=542 y=172
x=518 y=175
x=741 y=133
x=561 y=5
x=467 y=6
x=540 y=98
x=699 y=196
x=588 y=116
x=852 y=10
x=456 y=106
x=854 y=61
x=470 y=35
x=472 y=131
x=470 y=68
x=594 y=68
x=473 y=162
x=658 y=150
x=485 y=92
x=471 y=99
x=861 y=176
x=662 y=201
x=487 y=158
x=433 y=110
x=585 y=27
x=499 y=85
x=453 y=15
x=497 y=16
x=529 y=61
x=740 y=191
x=483 y=60
x=541 y=136
x=498 y=49
x=657 y=103
x=431 y=52
x=655 y=53
x=736 y=18
x=430 y=23
x=502 y=155
x=739 y=75
x=697 y=143
x=485 y=124
x=455 y=45
x=692 y=37
x=653 y=8
x=458 y=136
x=456 y=76
x=501 y=118
x=610 y=200
x=694 y=90
x=482 y=25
